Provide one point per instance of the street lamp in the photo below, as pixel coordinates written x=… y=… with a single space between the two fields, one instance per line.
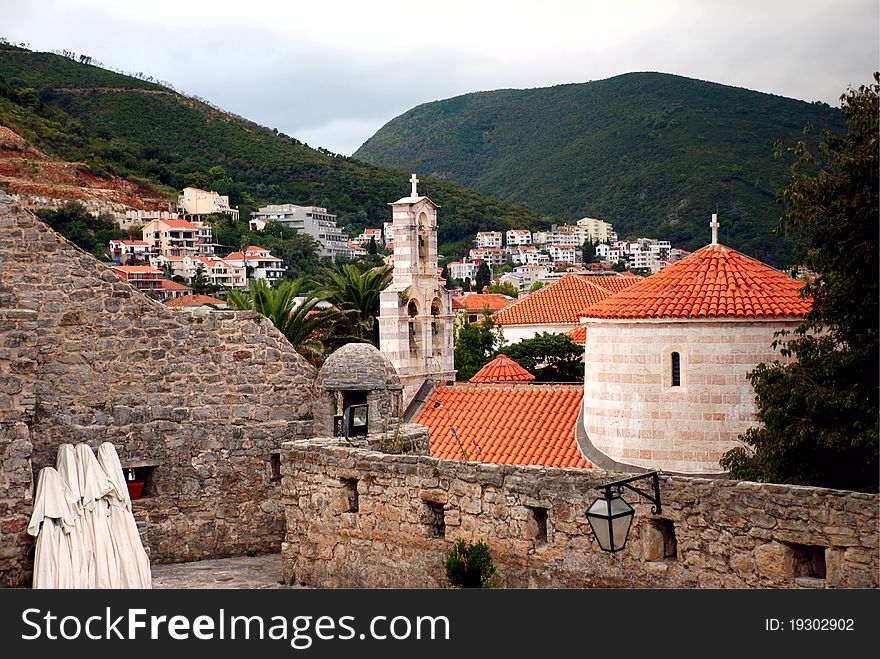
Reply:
x=610 y=516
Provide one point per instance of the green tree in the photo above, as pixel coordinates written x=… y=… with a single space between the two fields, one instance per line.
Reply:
x=484 y=276
x=356 y=295
x=299 y=318
x=474 y=346
x=82 y=228
x=372 y=248
x=549 y=357
x=819 y=413
x=199 y=283
x=469 y=565
x=504 y=288
x=588 y=252
x=537 y=286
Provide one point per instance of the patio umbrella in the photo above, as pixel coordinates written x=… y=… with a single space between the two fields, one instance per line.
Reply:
x=51 y=522
x=80 y=546
x=93 y=485
x=134 y=564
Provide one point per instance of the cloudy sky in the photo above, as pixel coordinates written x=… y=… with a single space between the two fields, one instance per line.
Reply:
x=332 y=72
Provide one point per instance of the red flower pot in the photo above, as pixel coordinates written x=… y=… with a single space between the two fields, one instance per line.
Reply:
x=135 y=488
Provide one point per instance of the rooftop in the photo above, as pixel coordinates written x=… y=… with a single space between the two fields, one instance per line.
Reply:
x=578 y=334
x=527 y=424
x=713 y=282
x=480 y=301
x=563 y=301
x=502 y=369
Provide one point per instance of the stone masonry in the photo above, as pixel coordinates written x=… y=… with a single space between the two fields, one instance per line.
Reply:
x=360 y=518
x=200 y=401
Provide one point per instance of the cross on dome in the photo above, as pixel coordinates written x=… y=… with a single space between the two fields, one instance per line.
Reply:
x=415 y=183
x=714 y=224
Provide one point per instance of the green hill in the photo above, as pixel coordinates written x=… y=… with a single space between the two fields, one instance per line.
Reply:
x=143 y=131
x=652 y=153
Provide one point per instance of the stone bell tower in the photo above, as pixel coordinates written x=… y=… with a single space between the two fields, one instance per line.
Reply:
x=415 y=311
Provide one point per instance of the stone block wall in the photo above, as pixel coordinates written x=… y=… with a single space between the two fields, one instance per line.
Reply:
x=634 y=415
x=200 y=400
x=358 y=518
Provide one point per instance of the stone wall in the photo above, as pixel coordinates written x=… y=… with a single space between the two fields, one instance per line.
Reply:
x=357 y=518
x=634 y=415
x=200 y=401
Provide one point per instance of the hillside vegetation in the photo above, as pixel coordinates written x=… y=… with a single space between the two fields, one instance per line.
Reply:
x=125 y=126
x=652 y=153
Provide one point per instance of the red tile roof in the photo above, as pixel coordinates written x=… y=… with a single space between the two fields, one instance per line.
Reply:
x=196 y=300
x=527 y=424
x=502 y=369
x=562 y=301
x=169 y=285
x=132 y=269
x=578 y=334
x=479 y=301
x=179 y=224
x=713 y=282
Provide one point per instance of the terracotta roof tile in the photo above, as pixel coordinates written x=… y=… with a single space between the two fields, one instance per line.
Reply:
x=578 y=334
x=713 y=282
x=179 y=224
x=502 y=369
x=480 y=301
x=562 y=301
x=525 y=424
x=196 y=300
x=169 y=285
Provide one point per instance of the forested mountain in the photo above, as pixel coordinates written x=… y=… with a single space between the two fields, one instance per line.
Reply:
x=652 y=153
x=143 y=131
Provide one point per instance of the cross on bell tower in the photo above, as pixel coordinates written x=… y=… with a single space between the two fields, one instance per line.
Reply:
x=415 y=184
x=714 y=224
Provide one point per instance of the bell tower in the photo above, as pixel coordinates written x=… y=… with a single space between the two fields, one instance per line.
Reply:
x=415 y=310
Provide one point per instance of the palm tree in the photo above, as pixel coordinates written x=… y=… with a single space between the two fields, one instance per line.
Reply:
x=301 y=321
x=356 y=296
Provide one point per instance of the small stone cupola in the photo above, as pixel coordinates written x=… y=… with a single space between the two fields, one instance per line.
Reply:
x=357 y=374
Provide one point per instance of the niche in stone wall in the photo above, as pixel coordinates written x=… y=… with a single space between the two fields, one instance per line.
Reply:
x=275 y=467
x=141 y=480
x=434 y=519
x=808 y=561
x=538 y=525
x=350 y=494
x=658 y=540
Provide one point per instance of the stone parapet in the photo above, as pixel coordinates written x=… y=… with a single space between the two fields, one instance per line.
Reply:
x=361 y=518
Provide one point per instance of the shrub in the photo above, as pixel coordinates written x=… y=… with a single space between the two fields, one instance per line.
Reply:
x=469 y=565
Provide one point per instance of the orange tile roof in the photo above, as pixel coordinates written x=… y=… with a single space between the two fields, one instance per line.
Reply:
x=196 y=300
x=713 y=282
x=527 y=424
x=502 y=369
x=578 y=334
x=563 y=301
x=234 y=256
x=480 y=301
x=169 y=285
x=179 y=224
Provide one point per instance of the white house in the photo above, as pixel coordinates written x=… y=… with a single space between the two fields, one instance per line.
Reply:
x=518 y=237
x=488 y=240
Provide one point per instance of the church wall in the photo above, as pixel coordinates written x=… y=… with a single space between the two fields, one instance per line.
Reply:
x=199 y=400
x=410 y=510
x=634 y=415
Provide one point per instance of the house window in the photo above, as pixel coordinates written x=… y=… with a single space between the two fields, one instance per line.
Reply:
x=676 y=369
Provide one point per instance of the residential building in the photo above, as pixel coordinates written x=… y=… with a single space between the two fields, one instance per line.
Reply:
x=464 y=269
x=595 y=231
x=258 y=263
x=569 y=254
x=310 y=220
x=529 y=274
x=369 y=234
x=388 y=234
x=193 y=202
x=133 y=218
x=517 y=237
x=492 y=256
x=123 y=251
x=171 y=289
x=178 y=238
x=556 y=237
x=488 y=240
x=217 y=271
x=143 y=277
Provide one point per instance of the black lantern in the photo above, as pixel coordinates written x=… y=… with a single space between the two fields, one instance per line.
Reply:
x=611 y=516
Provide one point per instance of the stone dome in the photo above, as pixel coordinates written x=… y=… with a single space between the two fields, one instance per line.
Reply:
x=358 y=366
